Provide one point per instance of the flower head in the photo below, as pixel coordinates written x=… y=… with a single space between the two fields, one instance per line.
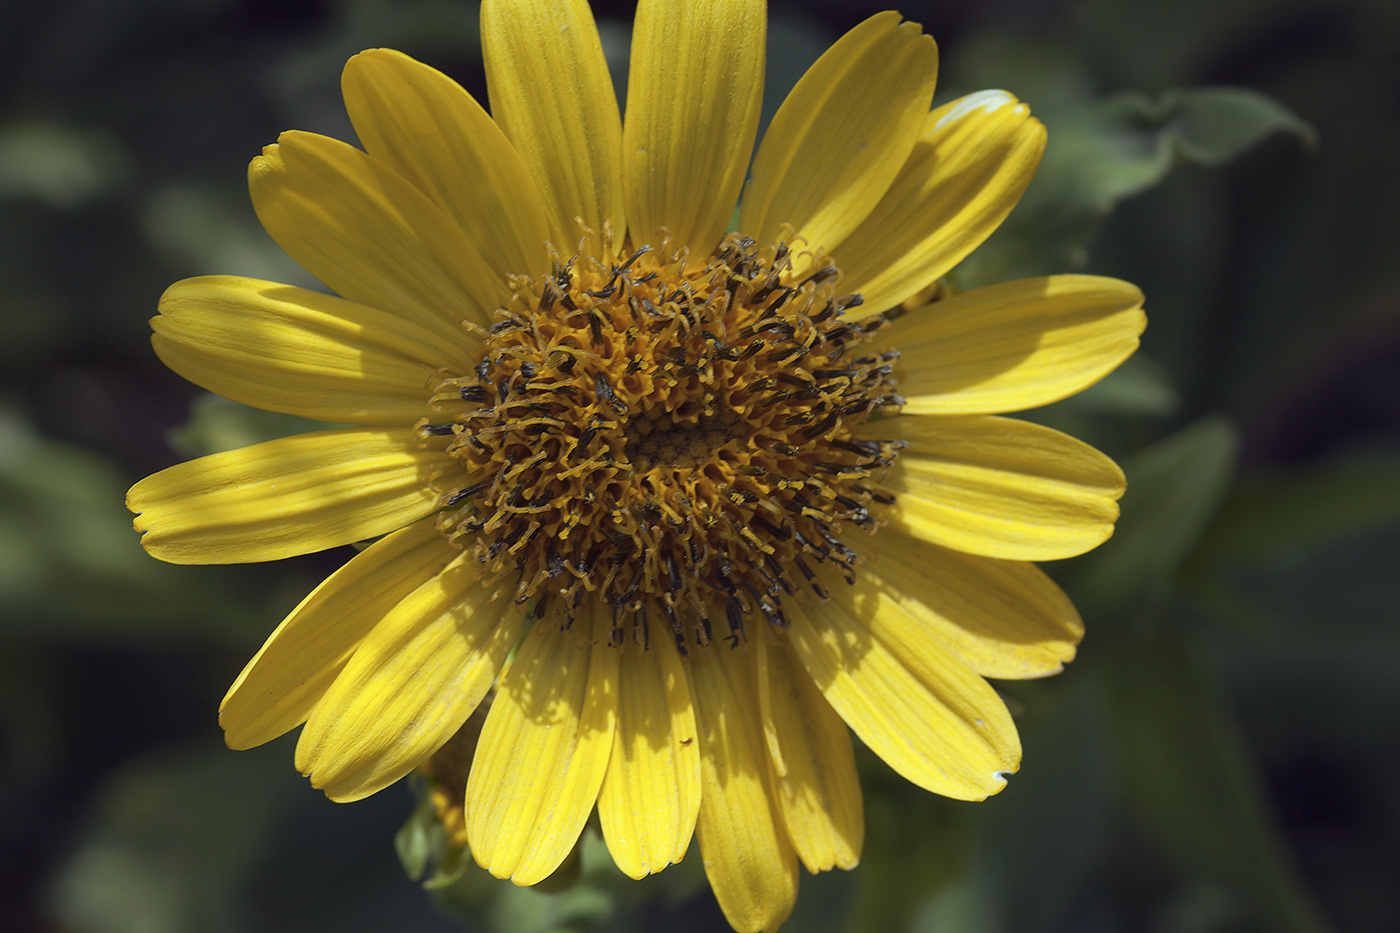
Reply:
x=724 y=493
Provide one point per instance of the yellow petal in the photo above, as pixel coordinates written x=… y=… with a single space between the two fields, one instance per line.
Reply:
x=814 y=766
x=1002 y=618
x=1000 y=487
x=1016 y=345
x=414 y=680
x=300 y=352
x=651 y=791
x=298 y=663
x=371 y=236
x=543 y=751
x=749 y=861
x=970 y=167
x=693 y=96
x=424 y=126
x=924 y=712
x=839 y=139
x=552 y=95
x=285 y=497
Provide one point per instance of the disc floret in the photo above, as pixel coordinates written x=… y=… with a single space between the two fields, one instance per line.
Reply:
x=667 y=442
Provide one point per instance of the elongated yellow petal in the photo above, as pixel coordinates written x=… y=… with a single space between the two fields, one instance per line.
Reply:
x=749 y=861
x=924 y=712
x=837 y=142
x=814 y=766
x=552 y=95
x=1000 y=487
x=970 y=167
x=285 y=497
x=370 y=235
x=1002 y=618
x=299 y=662
x=651 y=791
x=424 y=126
x=542 y=754
x=1016 y=345
x=693 y=96
x=414 y=680
x=291 y=350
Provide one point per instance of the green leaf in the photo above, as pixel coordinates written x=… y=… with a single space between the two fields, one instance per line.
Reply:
x=917 y=854
x=414 y=840
x=61 y=165
x=72 y=567
x=1325 y=595
x=1043 y=841
x=201 y=229
x=172 y=844
x=586 y=905
x=1210 y=126
x=1101 y=152
x=959 y=905
x=217 y=424
x=1141 y=386
x=1191 y=782
x=596 y=898
x=1174 y=488
x=1274 y=514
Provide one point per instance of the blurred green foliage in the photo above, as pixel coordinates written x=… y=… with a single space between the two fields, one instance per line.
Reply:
x=1216 y=760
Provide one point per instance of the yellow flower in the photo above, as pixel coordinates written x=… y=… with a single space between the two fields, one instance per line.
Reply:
x=743 y=507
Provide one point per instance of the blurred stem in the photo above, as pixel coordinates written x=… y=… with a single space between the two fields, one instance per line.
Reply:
x=1192 y=782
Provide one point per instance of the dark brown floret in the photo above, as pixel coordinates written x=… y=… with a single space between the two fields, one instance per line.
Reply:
x=668 y=443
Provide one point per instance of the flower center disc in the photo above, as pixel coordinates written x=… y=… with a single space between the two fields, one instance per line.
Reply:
x=667 y=442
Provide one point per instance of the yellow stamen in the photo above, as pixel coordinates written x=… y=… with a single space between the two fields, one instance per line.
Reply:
x=667 y=441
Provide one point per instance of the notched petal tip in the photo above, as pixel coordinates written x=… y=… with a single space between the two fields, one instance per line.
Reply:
x=915 y=31
x=272 y=158
x=140 y=506
x=341 y=786
x=999 y=780
x=145 y=539
x=233 y=737
x=1068 y=654
x=363 y=55
x=265 y=165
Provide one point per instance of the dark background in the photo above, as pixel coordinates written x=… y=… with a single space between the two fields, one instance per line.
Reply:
x=1221 y=757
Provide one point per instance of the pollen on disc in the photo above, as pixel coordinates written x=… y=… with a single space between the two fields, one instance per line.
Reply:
x=670 y=442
